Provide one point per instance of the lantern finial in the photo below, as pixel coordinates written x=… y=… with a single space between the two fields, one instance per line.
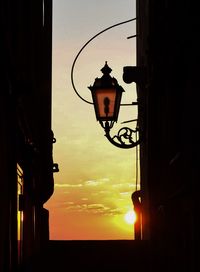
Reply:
x=106 y=70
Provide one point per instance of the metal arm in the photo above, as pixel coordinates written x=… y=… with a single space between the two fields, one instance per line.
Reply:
x=124 y=137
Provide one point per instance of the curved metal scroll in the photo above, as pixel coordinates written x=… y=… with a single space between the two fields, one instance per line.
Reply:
x=124 y=138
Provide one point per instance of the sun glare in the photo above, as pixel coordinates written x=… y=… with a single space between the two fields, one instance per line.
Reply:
x=130 y=217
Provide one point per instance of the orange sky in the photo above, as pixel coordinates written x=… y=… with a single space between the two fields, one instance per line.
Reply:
x=96 y=179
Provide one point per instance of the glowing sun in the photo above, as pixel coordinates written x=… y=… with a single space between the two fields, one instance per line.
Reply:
x=130 y=217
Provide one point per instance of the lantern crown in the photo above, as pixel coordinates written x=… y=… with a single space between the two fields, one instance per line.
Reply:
x=106 y=81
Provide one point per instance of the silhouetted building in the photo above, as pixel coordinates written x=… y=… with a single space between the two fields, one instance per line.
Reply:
x=168 y=53
x=26 y=138
x=168 y=89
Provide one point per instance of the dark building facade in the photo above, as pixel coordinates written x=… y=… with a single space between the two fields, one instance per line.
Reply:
x=26 y=138
x=168 y=55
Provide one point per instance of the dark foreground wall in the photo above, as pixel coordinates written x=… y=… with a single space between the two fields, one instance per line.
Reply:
x=169 y=38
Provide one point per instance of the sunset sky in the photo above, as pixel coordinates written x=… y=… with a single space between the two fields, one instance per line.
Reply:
x=96 y=179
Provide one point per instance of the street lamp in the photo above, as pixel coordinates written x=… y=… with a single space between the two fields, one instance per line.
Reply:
x=106 y=95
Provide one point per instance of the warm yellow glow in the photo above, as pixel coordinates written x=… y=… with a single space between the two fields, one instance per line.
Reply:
x=92 y=190
x=20 y=218
x=130 y=217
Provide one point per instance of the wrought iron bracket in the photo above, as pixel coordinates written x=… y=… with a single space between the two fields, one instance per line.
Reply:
x=124 y=137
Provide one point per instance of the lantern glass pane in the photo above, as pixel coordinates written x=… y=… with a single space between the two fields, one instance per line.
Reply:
x=110 y=96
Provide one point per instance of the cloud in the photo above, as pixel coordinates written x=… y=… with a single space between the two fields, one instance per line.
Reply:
x=95 y=196
x=120 y=185
x=94 y=208
x=84 y=183
x=97 y=206
x=66 y=185
x=105 y=192
x=96 y=182
x=124 y=193
x=93 y=183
